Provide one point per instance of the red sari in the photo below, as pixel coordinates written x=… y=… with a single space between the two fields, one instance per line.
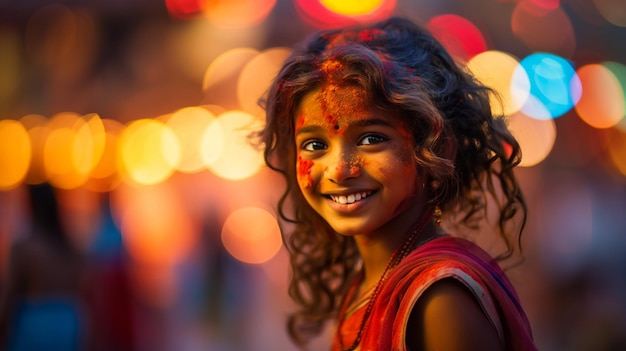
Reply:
x=443 y=257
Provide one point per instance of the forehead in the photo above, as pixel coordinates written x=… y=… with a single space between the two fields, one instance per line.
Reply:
x=333 y=100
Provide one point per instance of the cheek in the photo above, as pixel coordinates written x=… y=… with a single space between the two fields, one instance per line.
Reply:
x=303 y=173
x=399 y=163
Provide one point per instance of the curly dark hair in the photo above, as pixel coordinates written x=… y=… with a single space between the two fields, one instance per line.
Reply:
x=461 y=146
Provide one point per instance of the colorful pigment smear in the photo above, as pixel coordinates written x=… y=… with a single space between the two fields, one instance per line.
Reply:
x=304 y=172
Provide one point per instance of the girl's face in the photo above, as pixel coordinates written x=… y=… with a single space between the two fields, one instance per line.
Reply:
x=355 y=163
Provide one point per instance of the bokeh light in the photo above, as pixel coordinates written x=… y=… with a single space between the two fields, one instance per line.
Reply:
x=35 y=124
x=15 y=153
x=220 y=79
x=104 y=176
x=498 y=70
x=212 y=143
x=251 y=235
x=155 y=228
x=256 y=77
x=544 y=28
x=612 y=10
x=352 y=7
x=199 y=42
x=184 y=9
x=158 y=102
x=189 y=125
x=602 y=101
x=239 y=158
x=68 y=153
x=458 y=35
x=237 y=13
x=554 y=86
x=148 y=152
x=334 y=13
x=535 y=137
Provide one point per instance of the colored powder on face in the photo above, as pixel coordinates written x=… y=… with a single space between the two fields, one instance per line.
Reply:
x=304 y=172
x=341 y=100
x=299 y=122
x=354 y=171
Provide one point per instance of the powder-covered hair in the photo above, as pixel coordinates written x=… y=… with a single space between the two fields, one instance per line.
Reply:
x=459 y=145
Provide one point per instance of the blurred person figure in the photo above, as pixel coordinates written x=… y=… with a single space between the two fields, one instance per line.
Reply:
x=41 y=306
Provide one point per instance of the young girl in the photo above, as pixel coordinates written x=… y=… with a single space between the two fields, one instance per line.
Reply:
x=377 y=132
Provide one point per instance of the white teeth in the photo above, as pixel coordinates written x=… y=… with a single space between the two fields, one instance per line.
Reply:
x=352 y=198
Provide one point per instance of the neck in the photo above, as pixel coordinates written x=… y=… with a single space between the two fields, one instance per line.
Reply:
x=376 y=250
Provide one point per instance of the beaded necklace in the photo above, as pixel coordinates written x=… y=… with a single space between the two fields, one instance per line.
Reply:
x=401 y=252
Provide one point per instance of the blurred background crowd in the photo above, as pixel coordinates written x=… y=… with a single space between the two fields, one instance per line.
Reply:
x=135 y=214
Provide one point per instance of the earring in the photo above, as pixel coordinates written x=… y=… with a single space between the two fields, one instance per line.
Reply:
x=437 y=213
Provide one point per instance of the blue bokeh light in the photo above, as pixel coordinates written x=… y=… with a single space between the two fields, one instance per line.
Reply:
x=554 y=86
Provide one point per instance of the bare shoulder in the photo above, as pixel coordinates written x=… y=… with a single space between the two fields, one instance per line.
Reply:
x=448 y=317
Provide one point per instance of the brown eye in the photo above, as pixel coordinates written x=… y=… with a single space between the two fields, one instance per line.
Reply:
x=372 y=139
x=313 y=145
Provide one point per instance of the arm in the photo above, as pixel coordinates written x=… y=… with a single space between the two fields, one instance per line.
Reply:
x=448 y=317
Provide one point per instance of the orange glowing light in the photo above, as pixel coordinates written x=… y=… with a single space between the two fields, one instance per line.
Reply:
x=536 y=137
x=37 y=132
x=68 y=152
x=148 y=152
x=189 y=124
x=251 y=235
x=15 y=153
x=91 y=140
x=220 y=78
x=237 y=13
x=256 y=76
x=226 y=66
x=602 y=102
x=498 y=70
x=239 y=158
x=104 y=176
x=212 y=143
x=154 y=225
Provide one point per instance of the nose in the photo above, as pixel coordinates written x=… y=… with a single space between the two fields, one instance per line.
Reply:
x=343 y=165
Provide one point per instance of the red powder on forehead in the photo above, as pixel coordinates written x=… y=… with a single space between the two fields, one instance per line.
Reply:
x=328 y=95
x=341 y=100
x=304 y=171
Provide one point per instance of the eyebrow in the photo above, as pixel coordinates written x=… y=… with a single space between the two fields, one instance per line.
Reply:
x=360 y=123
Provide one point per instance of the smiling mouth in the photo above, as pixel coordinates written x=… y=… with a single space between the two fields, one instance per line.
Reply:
x=350 y=199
